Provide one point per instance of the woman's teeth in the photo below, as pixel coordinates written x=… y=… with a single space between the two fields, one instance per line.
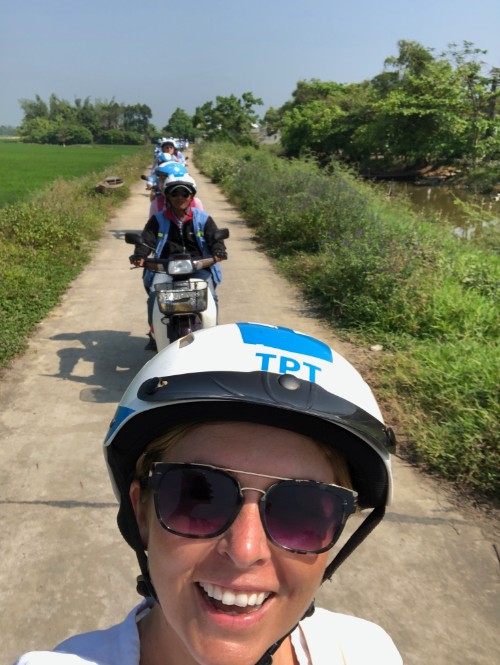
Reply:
x=228 y=597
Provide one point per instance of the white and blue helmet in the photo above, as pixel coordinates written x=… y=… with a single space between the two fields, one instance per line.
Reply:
x=266 y=374
x=171 y=168
x=176 y=180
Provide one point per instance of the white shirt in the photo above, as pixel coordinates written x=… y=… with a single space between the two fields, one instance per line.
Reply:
x=326 y=638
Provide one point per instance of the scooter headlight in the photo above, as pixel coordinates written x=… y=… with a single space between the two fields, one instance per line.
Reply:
x=180 y=267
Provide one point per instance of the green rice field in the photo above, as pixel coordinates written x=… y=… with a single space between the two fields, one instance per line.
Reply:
x=26 y=167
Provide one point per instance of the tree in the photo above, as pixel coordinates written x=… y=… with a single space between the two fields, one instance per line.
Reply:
x=413 y=59
x=313 y=90
x=86 y=115
x=421 y=109
x=310 y=128
x=230 y=119
x=60 y=110
x=322 y=118
x=438 y=109
x=59 y=121
x=136 y=118
x=37 y=130
x=32 y=109
x=109 y=114
x=479 y=98
x=180 y=125
x=416 y=121
x=272 y=120
x=69 y=134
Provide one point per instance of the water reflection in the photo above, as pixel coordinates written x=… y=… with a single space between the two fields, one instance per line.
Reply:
x=440 y=201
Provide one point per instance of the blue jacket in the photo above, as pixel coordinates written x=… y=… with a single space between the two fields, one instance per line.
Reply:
x=199 y=220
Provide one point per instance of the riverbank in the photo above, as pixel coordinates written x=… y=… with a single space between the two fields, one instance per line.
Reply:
x=483 y=179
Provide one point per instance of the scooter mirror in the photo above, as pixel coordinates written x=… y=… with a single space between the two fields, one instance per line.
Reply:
x=221 y=234
x=133 y=238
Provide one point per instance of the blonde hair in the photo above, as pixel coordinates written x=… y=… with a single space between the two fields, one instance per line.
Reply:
x=338 y=463
x=156 y=449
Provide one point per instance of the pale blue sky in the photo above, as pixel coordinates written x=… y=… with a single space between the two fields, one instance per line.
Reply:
x=182 y=53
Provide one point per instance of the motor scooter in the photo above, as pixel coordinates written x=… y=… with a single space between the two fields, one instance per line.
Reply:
x=183 y=303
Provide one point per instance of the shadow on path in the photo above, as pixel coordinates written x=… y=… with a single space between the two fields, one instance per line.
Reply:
x=114 y=357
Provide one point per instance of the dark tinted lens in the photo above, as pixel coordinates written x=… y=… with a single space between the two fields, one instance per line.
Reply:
x=180 y=192
x=196 y=502
x=303 y=516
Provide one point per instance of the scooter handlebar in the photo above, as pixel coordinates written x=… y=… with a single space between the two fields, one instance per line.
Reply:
x=162 y=265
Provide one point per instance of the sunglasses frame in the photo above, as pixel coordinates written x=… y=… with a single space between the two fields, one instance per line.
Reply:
x=175 y=192
x=348 y=500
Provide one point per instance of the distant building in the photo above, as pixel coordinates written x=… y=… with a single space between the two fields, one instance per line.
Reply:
x=260 y=134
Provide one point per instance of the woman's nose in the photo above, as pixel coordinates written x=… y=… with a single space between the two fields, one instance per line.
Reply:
x=245 y=542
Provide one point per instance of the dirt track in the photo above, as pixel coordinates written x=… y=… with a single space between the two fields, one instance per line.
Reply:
x=429 y=574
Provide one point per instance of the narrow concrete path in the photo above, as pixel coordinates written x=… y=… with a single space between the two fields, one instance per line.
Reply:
x=429 y=574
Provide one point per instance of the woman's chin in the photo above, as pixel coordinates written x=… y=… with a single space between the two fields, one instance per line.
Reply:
x=228 y=635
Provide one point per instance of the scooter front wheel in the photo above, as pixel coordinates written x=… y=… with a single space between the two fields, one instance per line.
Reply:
x=180 y=326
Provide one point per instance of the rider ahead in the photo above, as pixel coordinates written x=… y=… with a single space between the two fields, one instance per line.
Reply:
x=180 y=228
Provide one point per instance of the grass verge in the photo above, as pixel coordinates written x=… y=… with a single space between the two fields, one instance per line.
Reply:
x=44 y=244
x=376 y=270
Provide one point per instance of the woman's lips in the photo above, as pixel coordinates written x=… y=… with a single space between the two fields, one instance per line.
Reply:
x=234 y=600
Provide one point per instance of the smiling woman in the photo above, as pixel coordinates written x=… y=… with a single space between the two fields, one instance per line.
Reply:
x=238 y=454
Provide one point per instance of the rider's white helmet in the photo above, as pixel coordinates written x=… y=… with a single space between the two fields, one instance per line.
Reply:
x=176 y=180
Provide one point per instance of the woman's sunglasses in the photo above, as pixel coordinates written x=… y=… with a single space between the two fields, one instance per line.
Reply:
x=200 y=501
x=180 y=192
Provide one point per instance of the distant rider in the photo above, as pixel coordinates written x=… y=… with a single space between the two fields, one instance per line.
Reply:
x=157 y=196
x=169 y=148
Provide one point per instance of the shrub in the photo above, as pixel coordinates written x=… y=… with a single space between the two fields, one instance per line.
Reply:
x=115 y=137
x=71 y=135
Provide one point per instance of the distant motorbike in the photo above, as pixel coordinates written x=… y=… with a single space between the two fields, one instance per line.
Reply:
x=183 y=303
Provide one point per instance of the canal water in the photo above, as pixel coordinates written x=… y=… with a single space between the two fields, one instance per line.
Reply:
x=443 y=203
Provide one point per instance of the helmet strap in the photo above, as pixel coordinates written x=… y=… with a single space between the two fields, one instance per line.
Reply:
x=356 y=539
x=144 y=587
